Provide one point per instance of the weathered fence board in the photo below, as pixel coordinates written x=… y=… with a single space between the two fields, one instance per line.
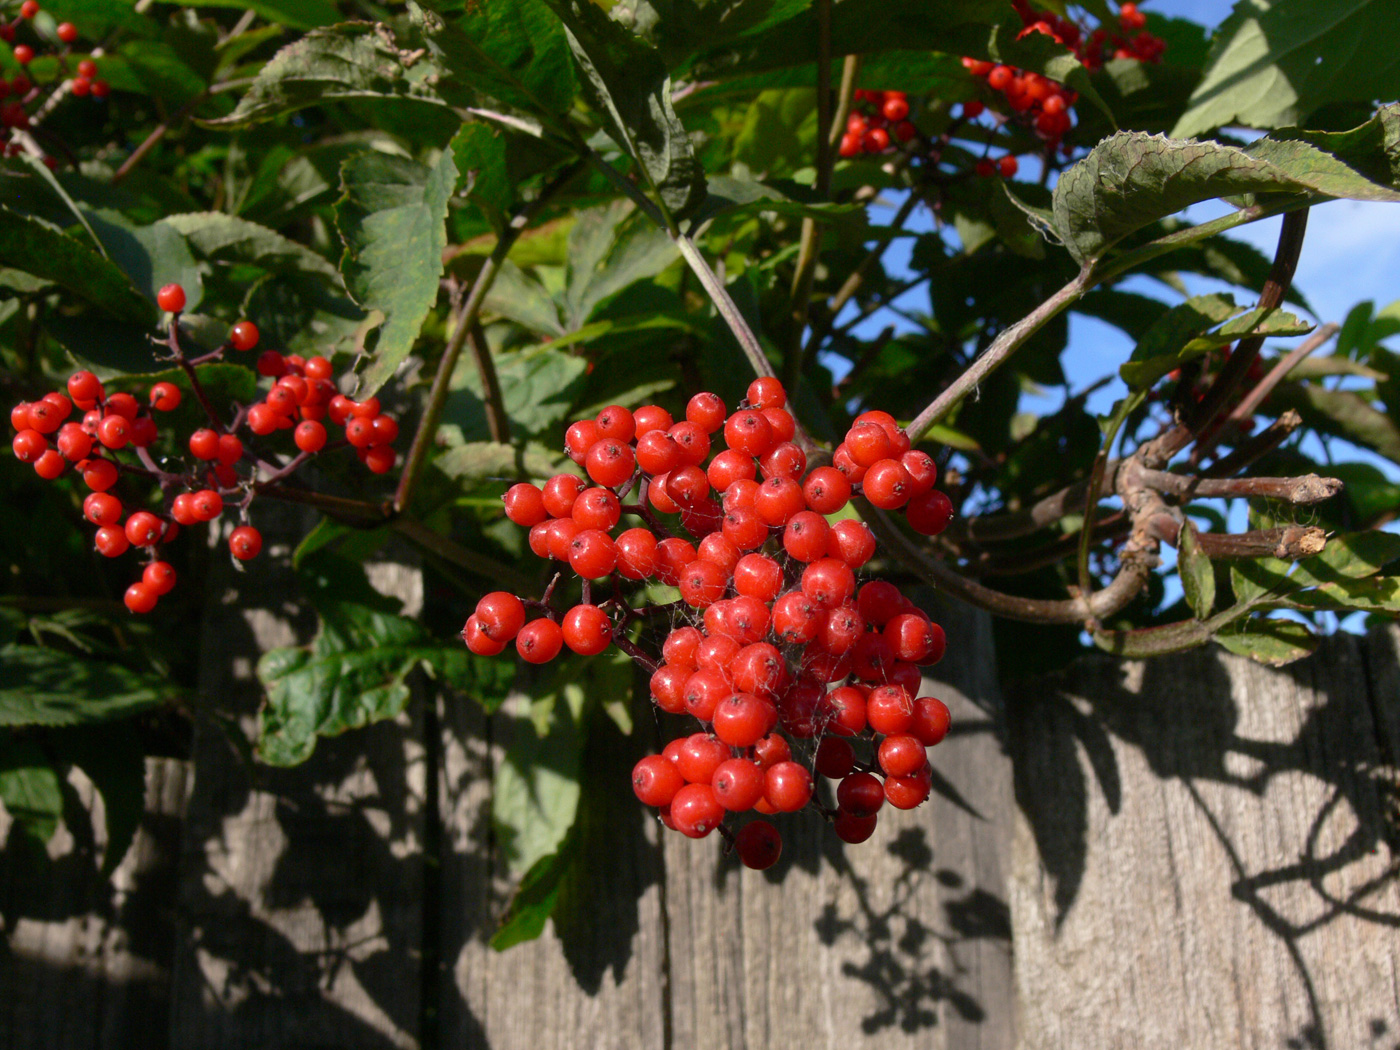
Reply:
x=1206 y=852
x=301 y=889
x=1199 y=852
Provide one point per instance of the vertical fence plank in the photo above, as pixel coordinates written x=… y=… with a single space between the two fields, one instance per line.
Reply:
x=300 y=889
x=1204 y=854
x=86 y=960
x=596 y=976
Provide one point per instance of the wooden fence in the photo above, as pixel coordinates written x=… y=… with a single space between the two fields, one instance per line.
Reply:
x=1194 y=852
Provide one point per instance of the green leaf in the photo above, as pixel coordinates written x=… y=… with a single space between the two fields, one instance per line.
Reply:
x=518 y=296
x=353 y=60
x=1370 y=493
x=538 y=388
x=29 y=788
x=516 y=53
x=610 y=248
x=1131 y=180
x=1344 y=413
x=152 y=256
x=1167 y=344
x=535 y=795
x=215 y=235
x=33 y=247
x=354 y=672
x=1348 y=557
x=1270 y=642
x=479 y=461
x=1377 y=594
x=535 y=898
x=480 y=155
x=1253 y=578
x=729 y=197
x=1275 y=62
x=1197 y=574
x=153 y=67
x=392 y=218
x=628 y=83
x=50 y=688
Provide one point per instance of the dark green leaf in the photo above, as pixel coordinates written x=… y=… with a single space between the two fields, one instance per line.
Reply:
x=730 y=196
x=1348 y=557
x=628 y=83
x=479 y=461
x=1343 y=413
x=29 y=788
x=36 y=248
x=610 y=248
x=1131 y=180
x=392 y=219
x=1270 y=642
x=1275 y=62
x=1197 y=574
x=1377 y=594
x=51 y=688
x=1167 y=344
x=152 y=256
x=353 y=60
x=1370 y=493
x=538 y=388
x=516 y=53
x=1253 y=578
x=535 y=898
x=480 y=154
x=354 y=672
x=228 y=238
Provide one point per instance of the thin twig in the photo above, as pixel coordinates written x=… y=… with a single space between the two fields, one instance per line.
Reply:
x=465 y=321
x=1252 y=400
x=1007 y=343
x=1256 y=447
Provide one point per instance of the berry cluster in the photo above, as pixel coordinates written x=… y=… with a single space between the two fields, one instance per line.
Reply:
x=225 y=473
x=20 y=96
x=877 y=119
x=773 y=643
x=1041 y=103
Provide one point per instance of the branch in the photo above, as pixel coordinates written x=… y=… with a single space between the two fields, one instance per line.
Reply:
x=1256 y=447
x=1251 y=401
x=1003 y=346
x=466 y=321
x=1310 y=488
x=1289 y=542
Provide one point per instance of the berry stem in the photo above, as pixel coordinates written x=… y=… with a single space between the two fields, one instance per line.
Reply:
x=638 y=656
x=172 y=340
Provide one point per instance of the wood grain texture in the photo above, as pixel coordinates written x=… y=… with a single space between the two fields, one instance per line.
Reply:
x=902 y=939
x=596 y=977
x=86 y=960
x=1206 y=852
x=300 y=889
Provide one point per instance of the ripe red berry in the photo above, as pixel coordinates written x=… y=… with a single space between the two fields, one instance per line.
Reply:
x=1008 y=166
x=244 y=542
x=159 y=576
x=587 y=630
x=806 y=536
x=740 y=719
x=84 y=386
x=929 y=513
x=171 y=298
x=655 y=779
x=579 y=439
x=700 y=756
x=140 y=598
x=592 y=554
x=501 y=615
x=66 y=32
x=851 y=542
x=853 y=829
x=50 y=465
x=380 y=459
x=165 y=397
x=706 y=411
x=114 y=432
x=909 y=792
x=931 y=720
x=636 y=554
x=610 y=462
x=24 y=54
x=901 y=755
x=738 y=784
x=759 y=845
x=788 y=787
x=477 y=641
x=888 y=710
x=309 y=436
x=695 y=811
x=860 y=794
x=895 y=109
x=87 y=68
x=29 y=445
x=102 y=508
x=143 y=529
x=204 y=444
x=99 y=474
x=767 y=392
x=539 y=641
x=835 y=758
x=207 y=505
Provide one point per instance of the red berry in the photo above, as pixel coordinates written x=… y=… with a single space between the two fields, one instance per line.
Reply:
x=230 y=449
x=587 y=630
x=204 y=444
x=501 y=615
x=860 y=794
x=931 y=720
x=706 y=411
x=101 y=508
x=84 y=386
x=655 y=779
x=165 y=397
x=207 y=505
x=617 y=423
x=539 y=641
x=171 y=298
x=806 y=536
x=853 y=829
x=579 y=439
x=766 y=392
x=29 y=445
x=87 y=68
x=788 y=787
x=929 y=513
x=272 y=364
x=24 y=54
x=851 y=542
x=1008 y=166
x=888 y=710
x=695 y=811
x=67 y=32
x=592 y=554
x=140 y=598
x=143 y=529
x=651 y=417
x=111 y=541
x=245 y=542
x=759 y=845
x=477 y=641
x=99 y=474
x=895 y=109
x=901 y=755
x=738 y=784
x=309 y=436
x=159 y=576
x=381 y=459
x=740 y=719
x=610 y=462
x=835 y=758
x=50 y=465
x=636 y=554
